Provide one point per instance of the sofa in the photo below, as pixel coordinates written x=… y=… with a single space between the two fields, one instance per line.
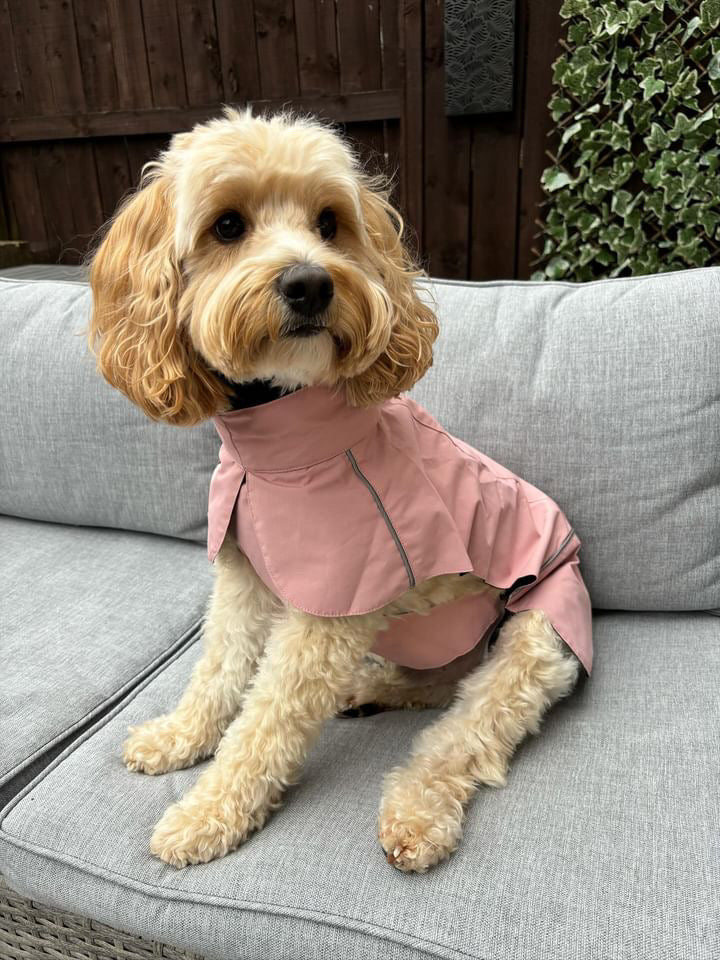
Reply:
x=605 y=843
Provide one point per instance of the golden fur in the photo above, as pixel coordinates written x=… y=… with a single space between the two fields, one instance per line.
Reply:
x=173 y=307
x=172 y=304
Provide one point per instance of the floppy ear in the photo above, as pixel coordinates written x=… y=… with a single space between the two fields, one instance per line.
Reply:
x=140 y=346
x=414 y=328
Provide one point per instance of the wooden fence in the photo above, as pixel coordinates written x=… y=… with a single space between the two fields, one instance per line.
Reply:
x=91 y=89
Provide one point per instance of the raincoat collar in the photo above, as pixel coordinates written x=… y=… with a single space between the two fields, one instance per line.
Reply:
x=299 y=429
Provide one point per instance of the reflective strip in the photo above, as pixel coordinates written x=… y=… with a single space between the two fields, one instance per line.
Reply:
x=560 y=549
x=383 y=514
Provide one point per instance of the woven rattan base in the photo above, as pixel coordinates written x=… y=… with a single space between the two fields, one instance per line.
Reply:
x=31 y=931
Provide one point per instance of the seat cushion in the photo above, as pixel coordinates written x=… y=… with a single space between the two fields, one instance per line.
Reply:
x=604 y=395
x=604 y=843
x=84 y=615
x=73 y=449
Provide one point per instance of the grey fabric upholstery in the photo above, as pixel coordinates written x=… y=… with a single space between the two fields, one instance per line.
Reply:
x=603 y=845
x=84 y=615
x=605 y=396
x=72 y=449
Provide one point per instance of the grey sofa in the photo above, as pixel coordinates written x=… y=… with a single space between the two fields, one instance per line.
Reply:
x=604 y=844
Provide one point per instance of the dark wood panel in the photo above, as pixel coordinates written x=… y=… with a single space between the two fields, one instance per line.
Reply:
x=12 y=103
x=96 y=55
x=62 y=59
x=318 y=64
x=130 y=56
x=276 y=48
x=201 y=56
x=30 y=51
x=394 y=162
x=412 y=187
x=113 y=169
x=24 y=202
x=369 y=141
x=359 y=41
x=141 y=150
x=495 y=158
x=57 y=200
x=82 y=180
x=540 y=34
x=164 y=53
x=447 y=163
x=238 y=61
x=358 y=107
x=391 y=48
x=99 y=87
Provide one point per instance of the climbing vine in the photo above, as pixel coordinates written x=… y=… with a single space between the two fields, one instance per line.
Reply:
x=634 y=185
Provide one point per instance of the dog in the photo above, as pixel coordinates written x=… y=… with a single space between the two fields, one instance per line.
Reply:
x=259 y=277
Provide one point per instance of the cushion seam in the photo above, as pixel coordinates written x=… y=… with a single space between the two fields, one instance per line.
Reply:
x=472 y=284
x=254 y=906
x=107 y=701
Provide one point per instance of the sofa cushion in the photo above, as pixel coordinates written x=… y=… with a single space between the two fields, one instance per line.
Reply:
x=84 y=615
x=604 y=395
x=72 y=449
x=603 y=844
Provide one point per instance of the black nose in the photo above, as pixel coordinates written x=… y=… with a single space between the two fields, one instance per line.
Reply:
x=306 y=289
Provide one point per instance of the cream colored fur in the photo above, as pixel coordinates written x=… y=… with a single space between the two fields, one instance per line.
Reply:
x=174 y=305
x=271 y=675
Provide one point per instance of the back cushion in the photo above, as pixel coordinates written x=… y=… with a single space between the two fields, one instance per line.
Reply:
x=604 y=395
x=73 y=449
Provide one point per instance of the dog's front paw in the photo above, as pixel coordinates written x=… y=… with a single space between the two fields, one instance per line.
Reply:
x=205 y=825
x=161 y=745
x=417 y=827
x=191 y=833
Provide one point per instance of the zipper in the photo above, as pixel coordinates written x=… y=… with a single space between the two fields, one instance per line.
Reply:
x=383 y=513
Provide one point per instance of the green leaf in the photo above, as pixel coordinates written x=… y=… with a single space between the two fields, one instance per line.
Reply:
x=554 y=178
x=621 y=202
x=559 y=106
x=557 y=268
x=691 y=28
x=658 y=138
x=637 y=11
x=713 y=67
x=570 y=132
x=681 y=127
x=575 y=8
x=686 y=85
x=652 y=86
x=623 y=59
x=709 y=14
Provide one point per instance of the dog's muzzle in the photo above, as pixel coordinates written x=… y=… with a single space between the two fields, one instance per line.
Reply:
x=307 y=290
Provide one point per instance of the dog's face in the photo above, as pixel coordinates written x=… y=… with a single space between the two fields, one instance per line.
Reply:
x=256 y=248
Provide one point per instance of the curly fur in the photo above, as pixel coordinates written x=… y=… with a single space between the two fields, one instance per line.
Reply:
x=177 y=315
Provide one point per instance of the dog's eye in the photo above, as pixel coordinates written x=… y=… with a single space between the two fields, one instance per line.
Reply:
x=327 y=224
x=230 y=226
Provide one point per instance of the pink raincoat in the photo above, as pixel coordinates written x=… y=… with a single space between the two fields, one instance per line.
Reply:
x=342 y=509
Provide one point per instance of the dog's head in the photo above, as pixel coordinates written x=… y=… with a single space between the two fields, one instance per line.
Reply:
x=256 y=248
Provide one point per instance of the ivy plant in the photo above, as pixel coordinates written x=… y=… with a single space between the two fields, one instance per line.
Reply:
x=634 y=185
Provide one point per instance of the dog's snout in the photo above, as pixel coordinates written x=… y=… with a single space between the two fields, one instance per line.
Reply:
x=306 y=289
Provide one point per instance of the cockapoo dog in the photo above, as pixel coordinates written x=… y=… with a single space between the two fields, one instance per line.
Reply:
x=258 y=277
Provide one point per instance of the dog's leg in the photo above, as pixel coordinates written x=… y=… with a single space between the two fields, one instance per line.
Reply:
x=239 y=619
x=420 y=820
x=302 y=678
